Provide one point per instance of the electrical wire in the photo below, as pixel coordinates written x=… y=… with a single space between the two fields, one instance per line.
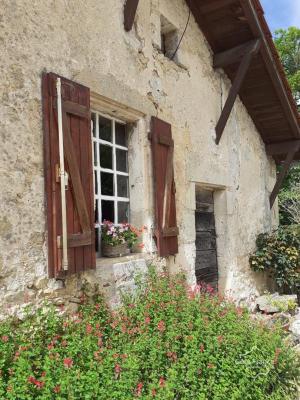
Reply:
x=183 y=33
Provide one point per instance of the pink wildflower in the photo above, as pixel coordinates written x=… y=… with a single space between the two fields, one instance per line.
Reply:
x=161 y=326
x=89 y=328
x=118 y=369
x=220 y=339
x=56 y=389
x=162 y=382
x=68 y=362
x=4 y=338
x=139 y=389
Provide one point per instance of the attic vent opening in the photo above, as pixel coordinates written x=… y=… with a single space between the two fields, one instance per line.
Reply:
x=169 y=39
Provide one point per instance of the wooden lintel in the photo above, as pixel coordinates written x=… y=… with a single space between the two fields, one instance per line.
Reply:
x=235 y=88
x=130 y=8
x=287 y=163
x=282 y=147
x=233 y=55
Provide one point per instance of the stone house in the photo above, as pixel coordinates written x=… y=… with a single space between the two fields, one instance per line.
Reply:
x=172 y=114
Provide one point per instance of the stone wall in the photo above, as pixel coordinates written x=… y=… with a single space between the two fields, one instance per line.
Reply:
x=85 y=41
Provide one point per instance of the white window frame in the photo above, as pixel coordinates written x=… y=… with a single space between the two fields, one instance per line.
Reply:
x=97 y=169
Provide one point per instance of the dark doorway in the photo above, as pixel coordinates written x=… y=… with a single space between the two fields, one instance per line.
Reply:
x=206 y=266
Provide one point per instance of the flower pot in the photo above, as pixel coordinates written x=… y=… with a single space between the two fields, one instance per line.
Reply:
x=115 y=251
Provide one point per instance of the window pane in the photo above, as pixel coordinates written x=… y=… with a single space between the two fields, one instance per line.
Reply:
x=106 y=156
x=97 y=230
x=105 y=129
x=108 y=212
x=95 y=182
x=122 y=182
x=95 y=153
x=94 y=124
x=121 y=156
x=97 y=211
x=107 y=184
x=121 y=135
x=123 y=211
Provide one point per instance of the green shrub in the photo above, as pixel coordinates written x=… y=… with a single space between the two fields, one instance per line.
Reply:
x=166 y=342
x=279 y=254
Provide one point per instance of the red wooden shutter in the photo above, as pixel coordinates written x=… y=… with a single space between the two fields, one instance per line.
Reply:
x=78 y=164
x=166 y=232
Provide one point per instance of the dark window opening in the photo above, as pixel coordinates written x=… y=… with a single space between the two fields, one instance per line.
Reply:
x=206 y=265
x=169 y=39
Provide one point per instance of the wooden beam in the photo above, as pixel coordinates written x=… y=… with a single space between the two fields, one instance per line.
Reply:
x=267 y=55
x=234 y=55
x=282 y=147
x=130 y=8
x=215 y=5
x=287 y=163
x=235 y=88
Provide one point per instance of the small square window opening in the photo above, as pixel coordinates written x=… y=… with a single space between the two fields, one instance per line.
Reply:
x=169 y=39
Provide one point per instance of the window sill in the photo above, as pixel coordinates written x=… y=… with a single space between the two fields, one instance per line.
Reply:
x=104 y=261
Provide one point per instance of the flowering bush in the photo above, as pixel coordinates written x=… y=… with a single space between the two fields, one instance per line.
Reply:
x=279 y=254
x=166 y=342
x=119 y=234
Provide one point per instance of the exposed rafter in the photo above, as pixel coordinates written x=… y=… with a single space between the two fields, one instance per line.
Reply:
x=214 y=5
x=246 y=52
x=282 y=147
x=234 y=55
x=130 y=8
x=253 y=19
x=280 y=178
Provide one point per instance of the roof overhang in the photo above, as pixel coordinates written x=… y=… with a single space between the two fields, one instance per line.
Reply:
x=242 y=43
x=232 y=24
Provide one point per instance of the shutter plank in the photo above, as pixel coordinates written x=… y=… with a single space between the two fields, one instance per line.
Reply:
x=168 y=189
x=77 y=239
x=80 y=195
x=85 y=163
x=75 y=178
x=73 y=108
x=78 y=223
x=166 y=232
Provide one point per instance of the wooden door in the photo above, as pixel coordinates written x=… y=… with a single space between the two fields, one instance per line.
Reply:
x=206 y=266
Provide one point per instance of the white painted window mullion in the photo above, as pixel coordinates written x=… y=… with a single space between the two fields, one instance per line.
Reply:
x=115 y=174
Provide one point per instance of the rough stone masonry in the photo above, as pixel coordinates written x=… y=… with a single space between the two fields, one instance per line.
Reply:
x=85 y=41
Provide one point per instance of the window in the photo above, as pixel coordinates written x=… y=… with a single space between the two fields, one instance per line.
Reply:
x=169 y=39
x=111 y=177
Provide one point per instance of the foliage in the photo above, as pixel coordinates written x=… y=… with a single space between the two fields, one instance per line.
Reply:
x=287 y=42
x=279 y=254
x=166 y=342
x=114 y=235
x=289 y=197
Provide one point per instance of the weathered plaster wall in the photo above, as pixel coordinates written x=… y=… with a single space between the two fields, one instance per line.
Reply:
x=85 y=41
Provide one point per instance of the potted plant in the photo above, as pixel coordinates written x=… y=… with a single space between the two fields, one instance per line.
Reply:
x=118 y=240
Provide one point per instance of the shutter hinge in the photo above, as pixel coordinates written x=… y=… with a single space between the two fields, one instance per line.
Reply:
x=59 y=176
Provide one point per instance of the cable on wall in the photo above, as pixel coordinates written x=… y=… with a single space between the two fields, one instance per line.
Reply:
x=183 y=33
